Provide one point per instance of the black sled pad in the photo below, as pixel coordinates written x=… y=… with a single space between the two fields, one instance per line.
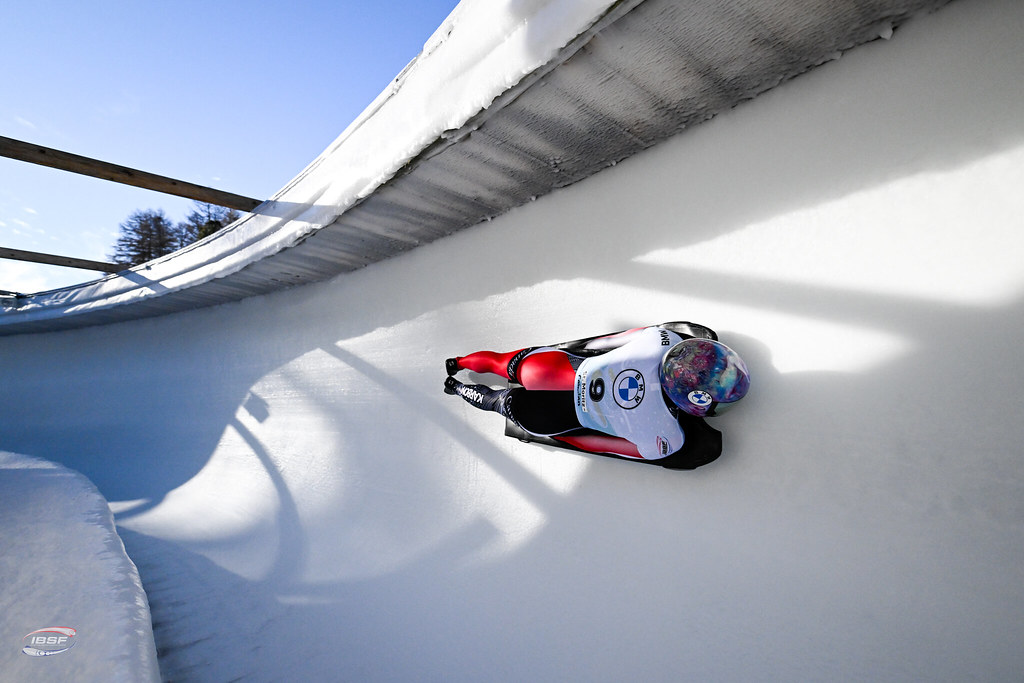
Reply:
x=703 y=445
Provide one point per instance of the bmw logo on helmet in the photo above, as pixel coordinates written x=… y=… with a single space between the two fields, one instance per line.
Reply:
x=701 y=399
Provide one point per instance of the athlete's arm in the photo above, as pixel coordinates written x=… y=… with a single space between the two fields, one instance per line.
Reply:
x=612 y=341
x=685 y=329
x=602 y=443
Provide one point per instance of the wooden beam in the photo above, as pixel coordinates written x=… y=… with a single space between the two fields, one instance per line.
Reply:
x=66 y=261
x=64 y=161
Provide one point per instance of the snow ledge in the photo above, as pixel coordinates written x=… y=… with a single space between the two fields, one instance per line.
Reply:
x=62 y=564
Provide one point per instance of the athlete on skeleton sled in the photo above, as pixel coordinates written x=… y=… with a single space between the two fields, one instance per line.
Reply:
x=641 y=394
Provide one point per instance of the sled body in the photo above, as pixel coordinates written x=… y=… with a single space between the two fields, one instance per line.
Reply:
x=703 y=443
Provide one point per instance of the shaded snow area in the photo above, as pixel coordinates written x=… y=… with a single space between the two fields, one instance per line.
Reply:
x=66 y=579
x=304 y=503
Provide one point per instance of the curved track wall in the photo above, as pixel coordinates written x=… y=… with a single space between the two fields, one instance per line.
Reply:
x=300 y=496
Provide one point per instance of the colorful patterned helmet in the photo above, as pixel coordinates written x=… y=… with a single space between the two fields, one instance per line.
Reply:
x=703 y=377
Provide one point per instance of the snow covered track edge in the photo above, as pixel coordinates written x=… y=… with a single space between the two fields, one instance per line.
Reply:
x=64 y=568
x=496 y=111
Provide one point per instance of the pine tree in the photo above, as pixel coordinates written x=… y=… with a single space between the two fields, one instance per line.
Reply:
x=204 y=220
x=146 y=235
x=149 y=234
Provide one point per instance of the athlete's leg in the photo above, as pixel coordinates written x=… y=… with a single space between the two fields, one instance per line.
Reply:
x=538 y=412
x=535 y=368
x=547 y=371
x=487 y=361
x=479 y=395
x=544 y=413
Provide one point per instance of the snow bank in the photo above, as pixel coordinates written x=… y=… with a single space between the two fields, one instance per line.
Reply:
x=473 y=58
x=63 y=565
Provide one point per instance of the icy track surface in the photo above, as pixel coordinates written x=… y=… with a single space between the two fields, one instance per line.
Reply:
x=303 y=501
x=63 y=565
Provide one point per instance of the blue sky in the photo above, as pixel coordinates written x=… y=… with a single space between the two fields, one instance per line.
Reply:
x=239 y=96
